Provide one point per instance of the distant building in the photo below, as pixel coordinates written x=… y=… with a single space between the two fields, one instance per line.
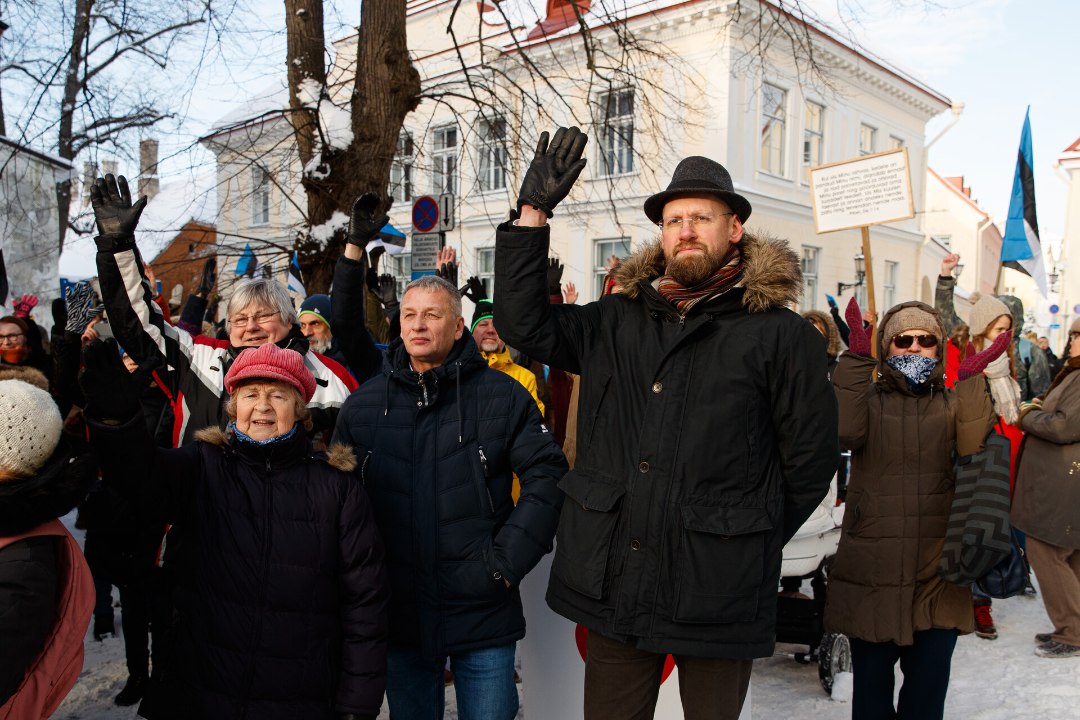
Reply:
x=180 y=263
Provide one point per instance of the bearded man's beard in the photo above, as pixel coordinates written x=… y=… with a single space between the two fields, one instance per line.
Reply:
x=690 y=269
x=319 y=346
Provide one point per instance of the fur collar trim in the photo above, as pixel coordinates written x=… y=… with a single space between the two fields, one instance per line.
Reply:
x=338 y=456
x=772 y=277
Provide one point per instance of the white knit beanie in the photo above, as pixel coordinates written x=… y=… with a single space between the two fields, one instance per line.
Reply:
x=986 y=310
x=30 y=426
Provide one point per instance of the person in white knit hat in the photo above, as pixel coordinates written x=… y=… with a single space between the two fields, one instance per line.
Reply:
x=46 y=591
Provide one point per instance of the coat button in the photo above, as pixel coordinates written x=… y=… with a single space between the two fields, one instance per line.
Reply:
x=635 y=544
x=643 y=466
x=497 y=575
x=657 y=387
x=419 y=403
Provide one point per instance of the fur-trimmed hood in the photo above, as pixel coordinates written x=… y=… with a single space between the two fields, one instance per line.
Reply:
x=832 y=337
x=772 y=276
x=338 y=455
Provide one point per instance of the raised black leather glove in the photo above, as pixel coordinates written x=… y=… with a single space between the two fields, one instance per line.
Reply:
x=116 y=216
x=554 y=170
x=386 y=291
x=364 y=225
x=374 y=255
x=474 y=290
x=111 y=392
x=555 y=271
x=81 y=307
x=448 y=272
x=209 y=277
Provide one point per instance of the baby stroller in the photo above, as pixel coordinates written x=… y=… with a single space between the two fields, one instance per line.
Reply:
x=799 y=618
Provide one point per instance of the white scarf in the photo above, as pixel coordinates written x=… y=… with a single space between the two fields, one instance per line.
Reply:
x=1004 y=389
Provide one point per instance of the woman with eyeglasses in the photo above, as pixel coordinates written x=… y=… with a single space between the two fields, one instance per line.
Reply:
x=1046 y=505
x=904 y=428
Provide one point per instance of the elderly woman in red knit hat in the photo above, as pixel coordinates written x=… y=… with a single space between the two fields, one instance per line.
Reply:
x=282 y=594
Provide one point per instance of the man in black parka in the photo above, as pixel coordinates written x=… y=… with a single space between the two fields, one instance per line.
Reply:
x=707 y=434
x=439 y=436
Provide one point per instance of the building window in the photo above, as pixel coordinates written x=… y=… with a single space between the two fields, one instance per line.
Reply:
x=867 y=139
x=260 y=196
x=485 y=269
x=895 y=143
x=602 y=250
x=444 y=160
x=401 y=169
x=492 y=160
x=400 y=266
x=810 y=257
x=891 y=275
x=945 y=240
x=773 y=122
x=617 y=132
x=813 y=138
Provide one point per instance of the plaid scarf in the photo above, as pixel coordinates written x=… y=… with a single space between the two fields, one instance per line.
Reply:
x=684 y=298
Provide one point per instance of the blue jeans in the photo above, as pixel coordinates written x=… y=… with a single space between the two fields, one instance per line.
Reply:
x=483 y=683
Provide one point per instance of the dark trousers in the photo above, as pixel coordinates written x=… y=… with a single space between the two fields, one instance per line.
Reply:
x=926 y=665
x=623 y=683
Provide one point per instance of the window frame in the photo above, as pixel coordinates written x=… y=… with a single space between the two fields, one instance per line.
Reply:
x=402 y=165
x=892 y=272
x=492 y=156
x=811 y=278
x=617 y=133
x=439 y=155
x=260 y=195
x=484 y=271
x=767 y=123
x=809 y=134
x=600 y=258
x=873 y=139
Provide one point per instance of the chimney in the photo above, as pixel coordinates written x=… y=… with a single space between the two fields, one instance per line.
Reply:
x=148 y=159
x=89 y=174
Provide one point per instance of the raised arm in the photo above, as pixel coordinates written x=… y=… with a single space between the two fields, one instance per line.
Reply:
x=349 y=293
x=943 y=295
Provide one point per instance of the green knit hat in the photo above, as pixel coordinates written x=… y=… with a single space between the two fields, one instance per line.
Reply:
x=485 y=310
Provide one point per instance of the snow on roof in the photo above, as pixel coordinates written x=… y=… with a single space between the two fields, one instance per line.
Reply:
x=272 y=98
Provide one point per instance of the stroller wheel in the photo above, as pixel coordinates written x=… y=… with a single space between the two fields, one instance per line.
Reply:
x=834 y=657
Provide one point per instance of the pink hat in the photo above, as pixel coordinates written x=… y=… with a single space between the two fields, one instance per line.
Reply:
x=269 y=362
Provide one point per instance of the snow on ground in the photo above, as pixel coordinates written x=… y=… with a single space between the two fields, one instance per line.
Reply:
x=991 y=680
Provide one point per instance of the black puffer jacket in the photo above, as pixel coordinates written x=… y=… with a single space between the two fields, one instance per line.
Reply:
x=437 y=452
x=282 y=592
x=704 y=442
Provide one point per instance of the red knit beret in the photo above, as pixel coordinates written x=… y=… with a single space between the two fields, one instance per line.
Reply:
x=269 y=362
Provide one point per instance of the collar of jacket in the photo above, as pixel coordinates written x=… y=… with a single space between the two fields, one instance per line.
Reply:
x=772 y=276
x=498 y=360
x=61 y=484
x=463 y=359
x=286 y=452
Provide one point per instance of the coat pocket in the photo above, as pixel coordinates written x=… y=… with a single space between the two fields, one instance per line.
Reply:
x=720 y=564
x=586 y=528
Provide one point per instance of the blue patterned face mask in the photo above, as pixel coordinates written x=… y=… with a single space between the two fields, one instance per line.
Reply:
x=916 y=368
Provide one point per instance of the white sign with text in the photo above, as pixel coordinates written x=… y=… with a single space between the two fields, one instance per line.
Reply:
x=868 y=190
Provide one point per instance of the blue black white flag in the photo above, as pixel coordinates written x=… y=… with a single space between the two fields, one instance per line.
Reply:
x=296 y=284
x=1020 y=246
x=247 y=263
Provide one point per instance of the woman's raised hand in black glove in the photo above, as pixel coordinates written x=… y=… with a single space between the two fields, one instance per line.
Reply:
x=114 y=212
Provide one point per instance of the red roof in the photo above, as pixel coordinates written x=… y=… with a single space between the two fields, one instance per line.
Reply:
x=1075 y=147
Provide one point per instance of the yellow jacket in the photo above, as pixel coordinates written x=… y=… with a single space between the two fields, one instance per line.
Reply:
x=501 y=361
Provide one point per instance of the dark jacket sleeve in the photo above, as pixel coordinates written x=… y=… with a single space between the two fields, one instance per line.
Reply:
x=364 y=595
x=191 y=317
x=853 y=380
x=841 y=326
x=28 y=595
x=347 y=298
x=67 y=358
x=804 y=414
x=553 y=334
x=539 y=464
x=945 y=305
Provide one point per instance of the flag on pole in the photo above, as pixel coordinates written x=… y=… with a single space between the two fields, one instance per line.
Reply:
x=247 y=262
x=1020 y=246
x=389 y=238
x=296 y=283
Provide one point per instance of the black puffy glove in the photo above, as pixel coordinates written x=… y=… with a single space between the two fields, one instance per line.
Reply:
x=364 y=225
x=554 y=170
x=111 y=392
x=448 y=272
x=386 y=291
x=209 y=277
x=82 y=307
x=474 y=290
x=555 y=271
x=116 y=216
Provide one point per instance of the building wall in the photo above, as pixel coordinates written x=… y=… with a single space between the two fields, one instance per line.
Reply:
x=182 y=260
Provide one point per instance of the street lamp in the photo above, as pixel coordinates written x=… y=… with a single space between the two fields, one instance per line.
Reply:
x=860 y=275
x=957 y=270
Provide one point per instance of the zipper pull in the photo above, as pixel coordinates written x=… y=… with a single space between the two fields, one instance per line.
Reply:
x=483 y=462
x=682 y=321
x=267 y=464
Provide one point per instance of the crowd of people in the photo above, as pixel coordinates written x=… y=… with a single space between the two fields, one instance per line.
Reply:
x=312 y=509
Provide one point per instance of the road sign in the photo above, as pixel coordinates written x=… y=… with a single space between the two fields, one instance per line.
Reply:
x=446 y=212
x=425 y=253
x=425 y=214
x=1055 y=326
x=1076 y=309
x=1054 y=309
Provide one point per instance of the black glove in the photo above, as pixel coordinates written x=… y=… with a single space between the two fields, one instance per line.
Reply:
x=374 y=254
x=474 y=290
x=371 y=277
x=209 y=277
x=553 y=170
x=112 y=393
x=386 y=291
x=81 y=307
x=364 y=226
x=59 y=313
x=448 y=272
x=555 y=270
x=116 y=217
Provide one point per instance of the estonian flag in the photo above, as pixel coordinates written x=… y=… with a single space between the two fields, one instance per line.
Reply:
x=1020 y=247
x=247 y=262
x=296 y=284
x=389 y=238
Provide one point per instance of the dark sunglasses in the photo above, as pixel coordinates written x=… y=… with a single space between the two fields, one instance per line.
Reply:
x=904 y=341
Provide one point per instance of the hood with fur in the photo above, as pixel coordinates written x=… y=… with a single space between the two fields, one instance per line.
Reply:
x=832 y=337
x=772 y=276
x=338 y=455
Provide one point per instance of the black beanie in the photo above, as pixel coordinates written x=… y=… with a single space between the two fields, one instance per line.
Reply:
x=485 y=310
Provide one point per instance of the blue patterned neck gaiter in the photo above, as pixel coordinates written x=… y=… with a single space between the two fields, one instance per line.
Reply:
x=916 y=368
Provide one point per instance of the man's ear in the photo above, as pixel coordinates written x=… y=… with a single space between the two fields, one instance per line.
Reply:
x=737 y=230
x=460 y=328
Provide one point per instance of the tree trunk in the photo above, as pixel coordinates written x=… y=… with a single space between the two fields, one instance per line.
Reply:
x=72 y=84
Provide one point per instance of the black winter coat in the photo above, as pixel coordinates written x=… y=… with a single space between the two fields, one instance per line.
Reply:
x=437 y=454
x=282 y=592
x=704 y=442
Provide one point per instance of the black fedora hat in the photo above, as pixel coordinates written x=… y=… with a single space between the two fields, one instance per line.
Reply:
x=698 y=175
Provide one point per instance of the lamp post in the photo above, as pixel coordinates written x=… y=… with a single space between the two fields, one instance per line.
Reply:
x=860 y=275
